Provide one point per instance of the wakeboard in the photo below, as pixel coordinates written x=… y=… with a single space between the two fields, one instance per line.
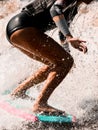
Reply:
x=14 y=110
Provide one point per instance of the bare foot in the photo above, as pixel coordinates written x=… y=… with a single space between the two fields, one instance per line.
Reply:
x=48 y=110
x=16 y=93
x=20 y=94
x=37 y=108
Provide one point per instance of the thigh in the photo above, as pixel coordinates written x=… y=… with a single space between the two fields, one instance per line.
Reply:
x=32 y=56
x=24 y=20
x=39 y=44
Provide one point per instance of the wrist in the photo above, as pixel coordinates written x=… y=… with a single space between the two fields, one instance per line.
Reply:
x=68 y=38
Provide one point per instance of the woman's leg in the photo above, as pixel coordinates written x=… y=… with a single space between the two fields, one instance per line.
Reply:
x=34 y=79
x=34 y=41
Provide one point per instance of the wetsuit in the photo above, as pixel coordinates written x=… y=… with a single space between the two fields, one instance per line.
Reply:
x=37 y=14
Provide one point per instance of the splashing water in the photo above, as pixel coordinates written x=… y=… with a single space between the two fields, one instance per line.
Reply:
x=77 y=94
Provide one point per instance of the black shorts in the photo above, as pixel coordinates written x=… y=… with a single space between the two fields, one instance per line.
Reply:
x=22 y=20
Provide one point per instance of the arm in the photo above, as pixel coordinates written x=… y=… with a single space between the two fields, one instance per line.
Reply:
x=58 y=17
x=60 y=21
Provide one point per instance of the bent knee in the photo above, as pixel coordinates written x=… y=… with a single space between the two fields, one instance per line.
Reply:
x=66 y=66
x=67 y=62
x=70 y=61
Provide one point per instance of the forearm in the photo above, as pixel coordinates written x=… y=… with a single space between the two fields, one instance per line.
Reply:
x=61 y=23
x=59 y=19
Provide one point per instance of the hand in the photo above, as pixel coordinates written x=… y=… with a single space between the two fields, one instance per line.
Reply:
x=77 y=44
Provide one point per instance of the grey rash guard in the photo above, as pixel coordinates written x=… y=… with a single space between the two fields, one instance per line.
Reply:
x=56 y=10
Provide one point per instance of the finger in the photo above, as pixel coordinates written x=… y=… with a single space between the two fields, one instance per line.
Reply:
x=80 y=49
x=82 y=41
x=82 y=45
x=83 y=48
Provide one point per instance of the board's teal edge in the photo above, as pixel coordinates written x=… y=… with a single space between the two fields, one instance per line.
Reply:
x=49 y=118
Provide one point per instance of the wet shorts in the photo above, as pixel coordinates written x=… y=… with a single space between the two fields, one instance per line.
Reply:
x=23 y=20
